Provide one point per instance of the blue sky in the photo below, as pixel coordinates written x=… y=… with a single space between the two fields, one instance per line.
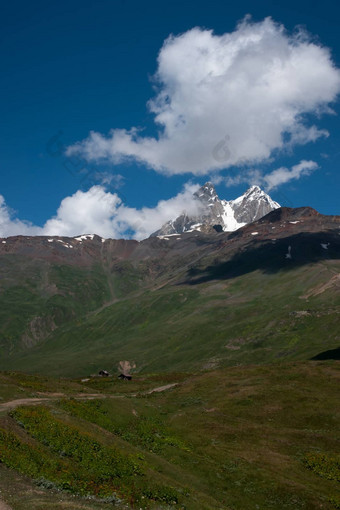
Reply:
x=69 y=68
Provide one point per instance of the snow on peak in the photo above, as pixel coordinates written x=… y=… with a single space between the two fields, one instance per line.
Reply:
x=230 y=215
x=254 y=189
x=206 y=193
x=85 y=237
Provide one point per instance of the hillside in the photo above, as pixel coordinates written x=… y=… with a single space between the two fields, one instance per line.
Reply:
x=266 y=292
x=225 y=439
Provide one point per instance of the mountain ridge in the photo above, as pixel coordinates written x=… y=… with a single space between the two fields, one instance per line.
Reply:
x=223 y=215
x=68 y=309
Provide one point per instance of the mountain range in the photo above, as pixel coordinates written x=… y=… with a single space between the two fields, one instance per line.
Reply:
x=262 y=293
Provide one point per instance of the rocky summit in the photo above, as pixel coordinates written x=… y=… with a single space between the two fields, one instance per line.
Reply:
x=223 y=215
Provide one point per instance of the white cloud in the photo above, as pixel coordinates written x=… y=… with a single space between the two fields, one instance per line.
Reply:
x=273 y=179
x=227 y=100
x=11 y=226
x=283 y=175
x=102 y=212
x=147 y=220
x=91 y=211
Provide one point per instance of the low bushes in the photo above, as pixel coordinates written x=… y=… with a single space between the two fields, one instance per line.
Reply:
x=324 y=465
x=145 y=431
x=66 y=458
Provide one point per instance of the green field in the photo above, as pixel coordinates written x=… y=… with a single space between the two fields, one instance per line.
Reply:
x=236 y=438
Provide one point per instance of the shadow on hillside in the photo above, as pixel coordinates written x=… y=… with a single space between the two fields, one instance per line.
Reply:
x=271 y=257
x=331 y=354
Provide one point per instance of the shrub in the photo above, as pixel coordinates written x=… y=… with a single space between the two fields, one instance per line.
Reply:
x=324 y=465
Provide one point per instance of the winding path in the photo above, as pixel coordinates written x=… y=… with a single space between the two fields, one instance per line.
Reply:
x=12 y=404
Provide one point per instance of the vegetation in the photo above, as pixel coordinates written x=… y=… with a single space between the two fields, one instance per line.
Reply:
x=254 y=318
x=240 y=419
x=214 y=301
x=65 y=457
x=228 y=438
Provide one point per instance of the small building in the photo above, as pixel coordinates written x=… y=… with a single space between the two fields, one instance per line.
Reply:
x=104 y=373
x=125 y=377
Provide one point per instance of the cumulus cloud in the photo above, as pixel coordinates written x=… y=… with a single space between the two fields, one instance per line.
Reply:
x=91 y=211
x=227 y=100
x=283 y=175
x=102 y=212
x=273 y=179
x=11 y=226
x=147 y=220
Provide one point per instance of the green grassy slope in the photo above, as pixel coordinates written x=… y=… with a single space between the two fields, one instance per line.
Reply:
x=239 y=438
x=253 y=318
x=36 y=297
x=184 y=304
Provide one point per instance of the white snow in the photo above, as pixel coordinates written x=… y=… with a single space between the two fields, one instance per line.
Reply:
x=168 y=235
x=325 y=246
x=67 y=245
x=50 y=240
x=252 y=194
x=253 y=199
x=289 y=254
x=4 y=242
x=229 y=220
x=197 y=226
x=294 y=222
x=256 y=193
x=238 y=200
x=254 y=233
x=84 y=237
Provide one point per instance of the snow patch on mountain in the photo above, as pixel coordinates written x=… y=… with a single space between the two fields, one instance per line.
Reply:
x=229 y=215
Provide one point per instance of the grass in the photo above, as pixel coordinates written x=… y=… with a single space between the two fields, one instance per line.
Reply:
x=36 y=297
x=18 y=491
x=249 y=319
x=72 y=459
x=249 y=424
x=235 y=438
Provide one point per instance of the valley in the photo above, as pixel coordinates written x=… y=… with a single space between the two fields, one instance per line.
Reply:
x=232 y=339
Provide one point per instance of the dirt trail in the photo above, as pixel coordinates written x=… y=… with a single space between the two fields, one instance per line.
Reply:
x=12 y=404
x=4 y=506
x=161 y=388
x=319 y=289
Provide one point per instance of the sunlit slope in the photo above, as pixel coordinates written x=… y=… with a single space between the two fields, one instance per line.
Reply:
x=266 y=292
x=235 y=438
x=252 y=318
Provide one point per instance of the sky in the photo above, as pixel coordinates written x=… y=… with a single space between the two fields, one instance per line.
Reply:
x=114 y=112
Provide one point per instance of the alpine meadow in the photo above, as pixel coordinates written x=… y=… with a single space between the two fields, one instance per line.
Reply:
x=169 y=255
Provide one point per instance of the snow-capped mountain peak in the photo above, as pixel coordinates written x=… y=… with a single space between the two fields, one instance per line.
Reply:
x=207 y=193
x=229 y=215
